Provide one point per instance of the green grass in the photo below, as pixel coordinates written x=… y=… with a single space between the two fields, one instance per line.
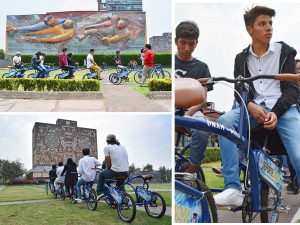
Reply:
x=211 y=164
x=63 y=212
x=213 y=181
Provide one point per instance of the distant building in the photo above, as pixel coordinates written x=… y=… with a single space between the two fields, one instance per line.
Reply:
x=53 y=143
x=162 y=43
x=120 y=5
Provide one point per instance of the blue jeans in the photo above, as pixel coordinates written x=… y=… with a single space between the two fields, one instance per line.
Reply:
x=198 y=143
x=288 y=127
x=78 y=188
x=70 y=69
x=41 y=71
x=104 y=174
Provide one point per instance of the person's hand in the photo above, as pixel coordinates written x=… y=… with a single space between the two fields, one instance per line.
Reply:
x=258 y=112
x=270 y=121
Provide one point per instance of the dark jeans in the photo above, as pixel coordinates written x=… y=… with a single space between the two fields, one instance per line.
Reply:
x=70 y=69
x=41 y=71
x=108 y=174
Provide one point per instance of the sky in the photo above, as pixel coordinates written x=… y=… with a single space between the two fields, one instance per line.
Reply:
x=223 y=35
x=158 y=21
x=147 y=138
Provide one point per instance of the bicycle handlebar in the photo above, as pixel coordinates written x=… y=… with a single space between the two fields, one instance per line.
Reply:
x=283 y=76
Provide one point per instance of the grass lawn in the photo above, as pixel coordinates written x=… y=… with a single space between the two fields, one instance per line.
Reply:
x=63 y=212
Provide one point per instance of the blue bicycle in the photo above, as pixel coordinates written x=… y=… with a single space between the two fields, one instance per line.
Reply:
x=153 y=202
x=16 y=73
x=89 y=195
x=91 y=75
x=122 y=74
x=264 y=179
x=157 y=72
x=117 y=198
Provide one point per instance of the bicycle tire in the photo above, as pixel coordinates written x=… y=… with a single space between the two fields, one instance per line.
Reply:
x=127 y=203
x=267 y=216
x=110 y=76
x=199 y=172
x=163 y=207
x=138 y=77
x=116 y=80
x=85 y=76
x=29 y=75
x=201 y=186
x=155 y=74
x=56 y=76
x=166 y=74
x=92 y=200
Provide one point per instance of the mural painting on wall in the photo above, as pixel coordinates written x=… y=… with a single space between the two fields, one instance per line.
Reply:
x=52 y=143
x=78 y=31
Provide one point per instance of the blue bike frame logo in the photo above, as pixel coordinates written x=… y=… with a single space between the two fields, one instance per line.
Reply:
x=187 y=210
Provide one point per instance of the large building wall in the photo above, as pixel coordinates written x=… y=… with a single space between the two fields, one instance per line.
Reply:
x=162 y=43
x=53 y=143
x=79 y=31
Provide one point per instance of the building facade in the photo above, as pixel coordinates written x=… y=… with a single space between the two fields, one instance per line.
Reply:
x=162 y=43
x=53 y=143
x=120 y=5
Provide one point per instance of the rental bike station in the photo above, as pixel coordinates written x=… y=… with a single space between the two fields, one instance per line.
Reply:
x=263 y=179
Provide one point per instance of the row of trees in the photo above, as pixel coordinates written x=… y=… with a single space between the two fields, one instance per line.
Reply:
x=11 y=169
x=163 y=173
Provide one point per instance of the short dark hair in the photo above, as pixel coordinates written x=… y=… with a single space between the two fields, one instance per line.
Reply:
x=53 y=167
x=251 y=14
x=117 y=51
x=297 y=60
x=148 y=46
x=187 y=29
x=65 y=49
x=60 y=164
x=92 y=50
x=86 y=151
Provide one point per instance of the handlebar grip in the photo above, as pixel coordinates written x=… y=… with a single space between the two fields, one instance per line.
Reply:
x=203 y=80
x=287 y=76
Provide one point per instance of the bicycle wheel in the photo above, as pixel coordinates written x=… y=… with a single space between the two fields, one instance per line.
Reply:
x=116 y=80
x=198 y=184
x=110 y=76
x=157 y=207
x=127 y=209
x=92 y=200
x=56 y=76
x=138 y=77
x=155 y=74
x=269 y=200
x=85 y=76
x=166 y=74
x=200 y=174
x=30 y=75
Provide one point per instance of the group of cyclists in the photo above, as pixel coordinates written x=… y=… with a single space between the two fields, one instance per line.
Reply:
x=73 y=176
x=272 y=104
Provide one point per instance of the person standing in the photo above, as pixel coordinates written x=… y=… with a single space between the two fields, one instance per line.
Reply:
x=90 y=63
x=148 y=63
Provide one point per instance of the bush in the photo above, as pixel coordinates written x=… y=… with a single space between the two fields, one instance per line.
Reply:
x=160 y=84
x=212 y=154
x=160 y=58
x=49 y=84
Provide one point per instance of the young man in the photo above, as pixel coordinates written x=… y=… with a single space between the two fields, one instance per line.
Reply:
x=35 y=63
x=186 y=40
x=90 y=63
x=60 y=179
x=116 y=159
x=117 y=58
x=273 y=105
x=17 y=61
x=148 y=63
x=52 y=177
x=87 y=169
x=63 y=63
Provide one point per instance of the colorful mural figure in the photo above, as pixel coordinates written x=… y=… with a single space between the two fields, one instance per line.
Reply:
x=79 y=31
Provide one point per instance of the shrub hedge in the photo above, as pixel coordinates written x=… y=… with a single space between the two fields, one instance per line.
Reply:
x=212 y=154
x=160 y=58
x=160 y=84
x=48 y=85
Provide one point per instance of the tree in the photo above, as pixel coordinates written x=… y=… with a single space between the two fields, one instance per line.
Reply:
x=2 y=54
x=162 y=174
x=148 y=168
x=10 y=170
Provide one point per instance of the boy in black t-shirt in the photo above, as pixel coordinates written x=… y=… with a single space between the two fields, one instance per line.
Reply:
x=186 y=40
x=52 y=177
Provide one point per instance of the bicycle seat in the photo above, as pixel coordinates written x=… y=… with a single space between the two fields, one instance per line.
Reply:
x=148 y=176
x=188 y=92
x=119 y=180
x=274 y=143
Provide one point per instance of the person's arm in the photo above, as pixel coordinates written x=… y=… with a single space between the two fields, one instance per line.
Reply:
x=196 y=108
x=64 y=170
x=108 y=161
x=80 y=170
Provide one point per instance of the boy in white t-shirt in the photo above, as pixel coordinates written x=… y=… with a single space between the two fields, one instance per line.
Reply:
x=90 y=63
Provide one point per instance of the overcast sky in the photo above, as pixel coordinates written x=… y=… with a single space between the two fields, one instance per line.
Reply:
x=147 y=138
x=158 y=12
x=223 y=35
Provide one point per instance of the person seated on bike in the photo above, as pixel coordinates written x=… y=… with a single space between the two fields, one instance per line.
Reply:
x=17 y=61
x=35 y=63
x=71 y=176
x=149 y=58
x=118 y=61
x=64 y=65
x=87 y=169
x=60 y=180
x=117 y=165
x=70 y=60
x=273 y=105
x=90 y=63
x=186 y=66
x=52 y=177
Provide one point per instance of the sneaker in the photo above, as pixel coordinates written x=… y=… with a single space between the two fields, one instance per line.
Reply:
x=217 y=171
x=78 y=200
x=99 y=197
x=229 y=197
x=292 y=188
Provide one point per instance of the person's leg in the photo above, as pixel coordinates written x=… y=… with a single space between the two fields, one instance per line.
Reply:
x=98 y=70
x=146 y=71
x=78 y=189
x=198 y=145
x=289 y=130
x=105 y=174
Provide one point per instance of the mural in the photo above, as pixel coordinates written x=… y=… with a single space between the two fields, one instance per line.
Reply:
x=53 y=143
x=79 y=31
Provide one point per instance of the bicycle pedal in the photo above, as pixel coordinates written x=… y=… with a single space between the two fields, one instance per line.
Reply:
x=284 y=209
x=229 y=208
